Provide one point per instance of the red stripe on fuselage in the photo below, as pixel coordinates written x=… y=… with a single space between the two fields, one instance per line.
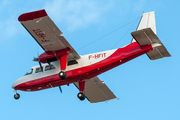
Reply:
x=119 y=57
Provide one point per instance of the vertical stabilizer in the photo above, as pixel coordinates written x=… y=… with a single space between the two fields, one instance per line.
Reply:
x=147 y=21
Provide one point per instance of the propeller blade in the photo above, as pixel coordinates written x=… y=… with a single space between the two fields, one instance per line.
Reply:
x=36 y=59
x=40 y=66
x=60 y=89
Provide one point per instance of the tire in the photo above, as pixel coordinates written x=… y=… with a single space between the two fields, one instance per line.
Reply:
x=16 y=96
x=81 y=96
x=62 y=75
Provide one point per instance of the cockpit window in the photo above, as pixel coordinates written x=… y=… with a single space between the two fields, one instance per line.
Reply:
x=49 y=67
x=38 y=70
x=29 y=72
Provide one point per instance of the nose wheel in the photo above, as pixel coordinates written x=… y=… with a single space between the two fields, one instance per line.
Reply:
x=81 y=96
x=62 y=75
x=16 y=96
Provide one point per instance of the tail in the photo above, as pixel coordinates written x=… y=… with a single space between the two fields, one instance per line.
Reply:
x=146 y=35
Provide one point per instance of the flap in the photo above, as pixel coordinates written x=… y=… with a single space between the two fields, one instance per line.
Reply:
x=97 y=91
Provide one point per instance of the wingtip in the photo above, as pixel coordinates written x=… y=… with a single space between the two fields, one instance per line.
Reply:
x=32 y=15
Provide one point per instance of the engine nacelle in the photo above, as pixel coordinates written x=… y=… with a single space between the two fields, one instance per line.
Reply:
x=50 y=56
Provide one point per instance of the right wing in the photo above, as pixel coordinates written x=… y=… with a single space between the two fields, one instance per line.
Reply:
x=45 y=32
x=97 y=91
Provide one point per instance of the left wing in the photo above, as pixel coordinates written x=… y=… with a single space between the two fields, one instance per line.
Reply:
x=97 y=91
x=45 y=32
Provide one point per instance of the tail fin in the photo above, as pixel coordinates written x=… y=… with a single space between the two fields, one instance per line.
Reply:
x=146 y=35
x=147 y=21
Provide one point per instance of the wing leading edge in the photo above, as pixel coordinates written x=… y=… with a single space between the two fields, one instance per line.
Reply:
x=45 y=32
x=97 y=91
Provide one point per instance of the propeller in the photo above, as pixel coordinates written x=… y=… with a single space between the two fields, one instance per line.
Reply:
x=40 y=66
x=60 y=89
x=37 y=60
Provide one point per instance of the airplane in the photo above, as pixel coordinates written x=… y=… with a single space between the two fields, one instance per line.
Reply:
x=63 y=65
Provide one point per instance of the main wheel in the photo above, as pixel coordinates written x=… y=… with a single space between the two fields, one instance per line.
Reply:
x=16 y=96
x=62 y=75
x=81 y=96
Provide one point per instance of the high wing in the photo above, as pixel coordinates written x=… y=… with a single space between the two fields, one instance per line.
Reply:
x=45 y=32
x=97 y=91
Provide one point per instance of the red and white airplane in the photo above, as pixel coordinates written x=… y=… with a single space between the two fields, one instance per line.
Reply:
x=63 y=65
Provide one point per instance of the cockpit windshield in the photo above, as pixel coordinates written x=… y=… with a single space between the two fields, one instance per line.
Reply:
x=29 y=72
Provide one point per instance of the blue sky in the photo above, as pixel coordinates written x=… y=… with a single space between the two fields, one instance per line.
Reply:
x=147 y=90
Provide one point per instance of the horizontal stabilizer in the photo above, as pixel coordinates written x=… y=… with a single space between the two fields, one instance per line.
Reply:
x=146 y=37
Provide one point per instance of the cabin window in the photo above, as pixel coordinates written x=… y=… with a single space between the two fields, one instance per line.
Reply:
x=38 y=70
x=29 y=72
x=49 y=67
x=72 y=62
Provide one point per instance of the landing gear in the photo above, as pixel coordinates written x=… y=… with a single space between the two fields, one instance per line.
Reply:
x=62 y=75
x=16 y=96
x=81 y=96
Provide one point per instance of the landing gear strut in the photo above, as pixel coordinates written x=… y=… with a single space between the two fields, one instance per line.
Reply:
x=81 y=96
x=62 y=75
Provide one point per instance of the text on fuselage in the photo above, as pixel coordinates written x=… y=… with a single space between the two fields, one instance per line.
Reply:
x=96 y=56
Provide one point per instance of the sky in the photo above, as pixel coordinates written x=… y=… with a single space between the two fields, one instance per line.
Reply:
x=147 y=90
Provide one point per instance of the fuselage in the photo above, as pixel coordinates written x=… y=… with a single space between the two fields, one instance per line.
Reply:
x=86 y=67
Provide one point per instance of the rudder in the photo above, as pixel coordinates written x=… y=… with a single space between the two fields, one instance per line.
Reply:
x=147 y=21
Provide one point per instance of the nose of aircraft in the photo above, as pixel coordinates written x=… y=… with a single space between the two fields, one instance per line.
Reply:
x=16 y=83
x=13 y=85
